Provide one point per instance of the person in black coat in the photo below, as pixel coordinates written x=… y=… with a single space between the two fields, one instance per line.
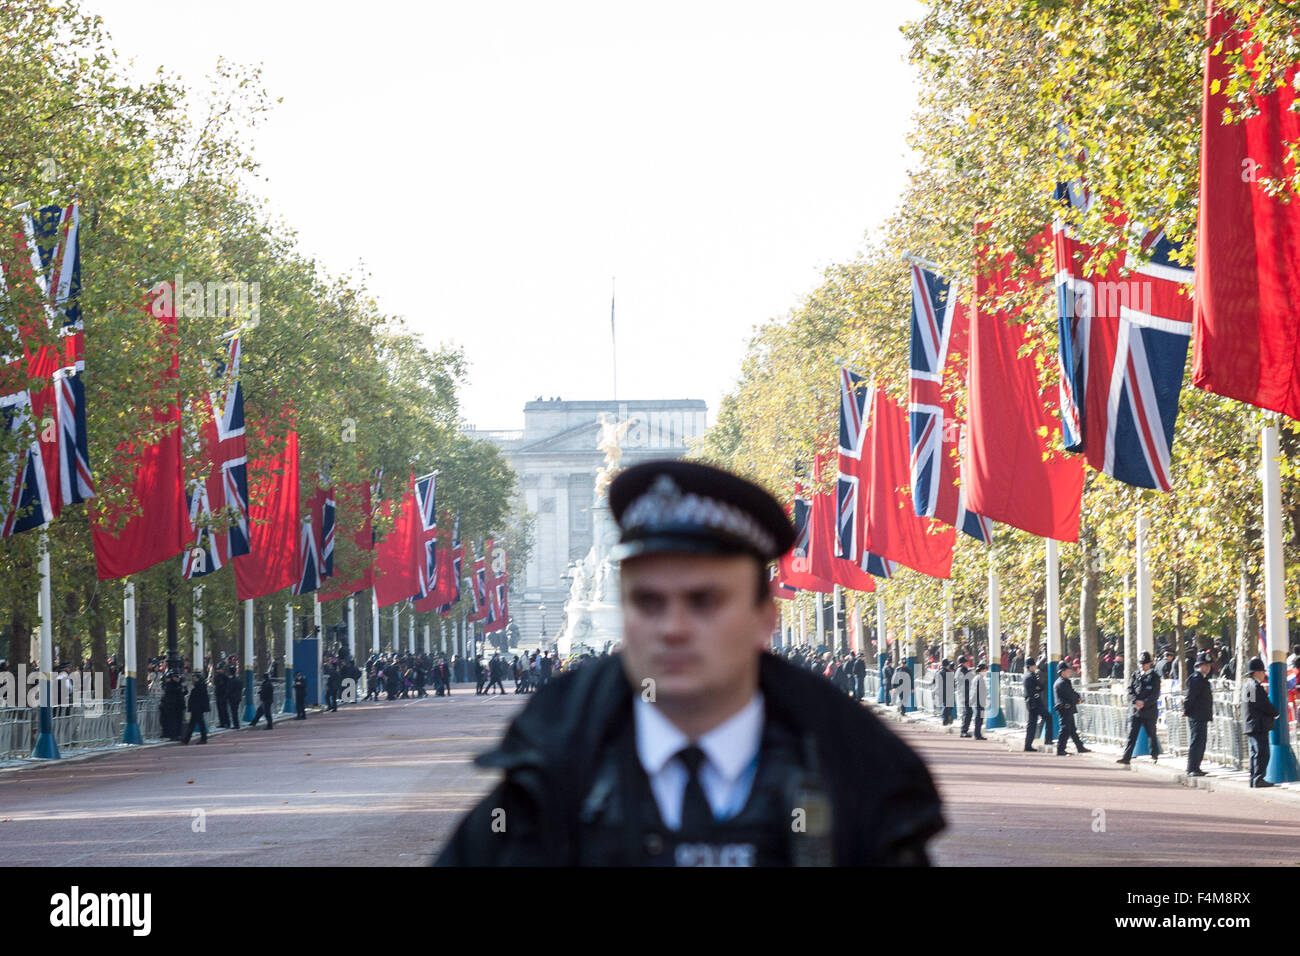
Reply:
x=1035 y=706
x=265 y=694
x=902 y=686
x=1198 y=706
x=219 y=682
x=1144 y=698
x=198 y=707
x=979 y=695
x=300 y=696
x=1260 y=716
x=962 y=689
x=859 y=676
x=234 y=694
x=171 y=709
x=1067 y=705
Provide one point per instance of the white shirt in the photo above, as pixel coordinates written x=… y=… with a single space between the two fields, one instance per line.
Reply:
x=727 y=773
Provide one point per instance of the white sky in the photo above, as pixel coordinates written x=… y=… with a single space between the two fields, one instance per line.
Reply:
x=514 y=155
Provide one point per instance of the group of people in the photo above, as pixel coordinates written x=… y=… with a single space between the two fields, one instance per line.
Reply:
x=847 y=671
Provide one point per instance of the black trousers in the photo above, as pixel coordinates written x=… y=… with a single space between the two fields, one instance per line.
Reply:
x=232 y=706
x=1138 y=720
x=1067 y=732
x=300 y=703
x=1196 y=749
x=947 y=716
x=979 y=723
x=1259 y=754
x=966 y=715
x=200 y=721
x=495 y=682
x=262 y=709
x=1031 y=729
x=223 y=708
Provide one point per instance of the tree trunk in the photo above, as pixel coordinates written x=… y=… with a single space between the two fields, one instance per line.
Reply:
x=1035 y=627
x=1179 y=630
x=98 y=632
x=1088 y=636
x=144 y=639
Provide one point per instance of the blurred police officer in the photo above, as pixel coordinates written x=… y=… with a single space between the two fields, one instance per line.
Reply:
x=1144 y=698
x=1198 y=706
x=198 y=708
x=1260 y=715
x=265 y=694
x=692 y=745
x=1066 y=704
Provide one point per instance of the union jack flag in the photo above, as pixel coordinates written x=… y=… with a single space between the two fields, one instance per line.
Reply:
x=938 y=332
x=425 y=503
x=316 y=543
x=55 y=469
x=855 y=412
x=225 y=491
x=28 y=504
x=457 y=563
x=1124 y=336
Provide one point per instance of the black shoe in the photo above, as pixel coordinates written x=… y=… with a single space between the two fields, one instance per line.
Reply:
x=978 y=737
x=1062 y=753
x=965 y=735
x=1261 y=784
x=1030 y=750
x=1084 y=750
x=1196 y=773
x=1123 y=760
x=1155 y=758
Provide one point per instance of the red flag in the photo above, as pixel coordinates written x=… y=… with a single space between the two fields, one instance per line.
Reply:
x=794 y=567
x=162 y=529
x=353 y=512
x=1246 y=337
x=823 y=563
x=397 y=556
x=272 y=561
x=892 y=528
x=1014 y=474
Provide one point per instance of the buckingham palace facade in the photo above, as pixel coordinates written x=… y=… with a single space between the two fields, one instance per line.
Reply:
x=556 y=458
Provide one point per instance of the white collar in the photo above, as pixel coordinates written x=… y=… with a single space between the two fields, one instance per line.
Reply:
x=730 y=747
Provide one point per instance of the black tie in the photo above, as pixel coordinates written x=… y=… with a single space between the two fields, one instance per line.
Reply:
x=697 y=816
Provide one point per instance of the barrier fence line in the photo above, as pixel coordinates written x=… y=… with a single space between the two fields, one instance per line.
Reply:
x=86 y=724
x=1104 y=711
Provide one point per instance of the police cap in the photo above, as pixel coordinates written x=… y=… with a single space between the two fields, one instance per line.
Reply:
x=1256 y=664
x=686 y=506
x=1205 y=657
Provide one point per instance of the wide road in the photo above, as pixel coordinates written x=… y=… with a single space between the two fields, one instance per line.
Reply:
x=385 y=784
x=375 y=784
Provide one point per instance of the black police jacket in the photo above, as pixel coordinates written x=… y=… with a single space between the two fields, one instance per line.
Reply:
x=1145 y=686
x=1260 y=712
x=883 y=805
x=1067 y=698
x=1198 y=702
x=1034 y=703
x=198 y=702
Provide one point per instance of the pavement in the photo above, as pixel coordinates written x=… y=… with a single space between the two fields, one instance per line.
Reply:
x=375 y=784
x=1006 y=807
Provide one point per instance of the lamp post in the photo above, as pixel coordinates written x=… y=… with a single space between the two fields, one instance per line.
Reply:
x=541 y=609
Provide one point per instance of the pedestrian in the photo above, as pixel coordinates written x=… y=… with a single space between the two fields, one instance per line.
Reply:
x=171 y=709
x=902 y=686
x=266 y=694
x=234 y=693
x=980 y=697
x=859 y=676
x=1035 y=706
x=1144 y=698
x=1198 y=707
x=1260 y=715
x=300 y=696
x=944 y=691
x=198 y=707
x=963 y=693
x=599 y=774
x=1066 y=704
